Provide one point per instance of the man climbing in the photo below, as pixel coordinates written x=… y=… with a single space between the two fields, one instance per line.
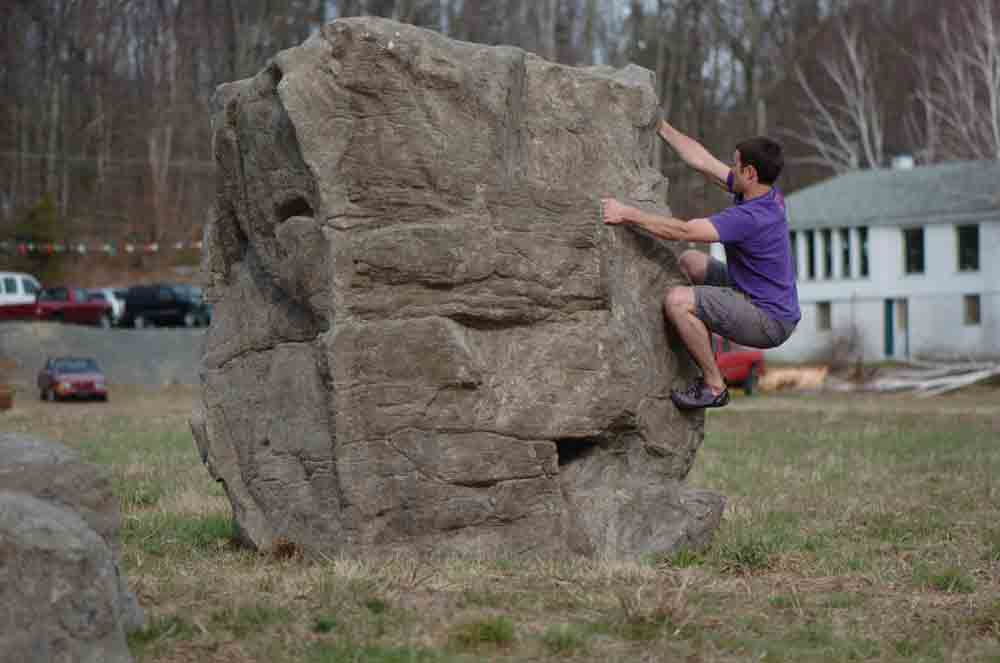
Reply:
x=751 y=298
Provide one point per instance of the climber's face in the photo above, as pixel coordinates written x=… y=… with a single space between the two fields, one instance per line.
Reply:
x=743 y=175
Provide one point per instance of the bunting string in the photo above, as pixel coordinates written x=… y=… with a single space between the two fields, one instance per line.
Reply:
x=84 y=248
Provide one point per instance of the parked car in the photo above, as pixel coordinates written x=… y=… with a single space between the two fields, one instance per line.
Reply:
x=18 y=288
x=113 y=296
x=163 y=304
x=198 y=295
x=71 y=377
x=17 y=295
x=740 y=366
x=67 y=304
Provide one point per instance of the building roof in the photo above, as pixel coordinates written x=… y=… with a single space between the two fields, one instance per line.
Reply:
x=954 y=192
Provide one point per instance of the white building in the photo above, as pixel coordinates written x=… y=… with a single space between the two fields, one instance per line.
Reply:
x=907 y=261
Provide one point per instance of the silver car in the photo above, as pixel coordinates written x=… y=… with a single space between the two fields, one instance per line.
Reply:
x=113 y=296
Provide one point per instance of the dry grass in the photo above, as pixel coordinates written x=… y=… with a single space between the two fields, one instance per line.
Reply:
x=858 y=529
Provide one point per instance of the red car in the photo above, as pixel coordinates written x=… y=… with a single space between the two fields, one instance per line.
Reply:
x=71 y=377
x=740 y=366
x=63 y=304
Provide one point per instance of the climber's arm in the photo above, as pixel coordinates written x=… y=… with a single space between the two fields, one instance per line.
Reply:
x=664 y=227
x=695 y=155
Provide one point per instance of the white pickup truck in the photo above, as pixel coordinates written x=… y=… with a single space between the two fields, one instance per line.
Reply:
x=18 y=288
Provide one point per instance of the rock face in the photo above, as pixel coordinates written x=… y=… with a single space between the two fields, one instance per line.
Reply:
x=424 y=338
x=60 y=580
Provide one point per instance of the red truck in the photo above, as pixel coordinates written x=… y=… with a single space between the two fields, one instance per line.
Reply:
x=61 y=304
x=740 y=366
x=19 y=311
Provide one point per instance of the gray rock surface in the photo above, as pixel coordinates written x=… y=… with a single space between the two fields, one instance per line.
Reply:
x=53 y=472
x=56 y=474
x=424 y=338
x=59 y=587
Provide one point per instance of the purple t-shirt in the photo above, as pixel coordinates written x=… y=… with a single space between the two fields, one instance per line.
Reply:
x=758 y=252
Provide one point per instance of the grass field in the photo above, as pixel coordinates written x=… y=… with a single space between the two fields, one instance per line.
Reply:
x=859 y=528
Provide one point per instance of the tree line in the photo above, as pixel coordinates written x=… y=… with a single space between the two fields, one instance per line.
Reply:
x=105 y=120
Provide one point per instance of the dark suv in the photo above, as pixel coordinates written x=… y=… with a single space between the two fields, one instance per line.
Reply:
x=164 y=304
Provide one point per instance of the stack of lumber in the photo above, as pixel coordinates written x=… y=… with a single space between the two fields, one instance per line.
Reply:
x=934 y=379
x=806 y=378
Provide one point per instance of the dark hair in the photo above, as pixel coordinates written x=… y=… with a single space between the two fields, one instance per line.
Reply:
x=765 y=155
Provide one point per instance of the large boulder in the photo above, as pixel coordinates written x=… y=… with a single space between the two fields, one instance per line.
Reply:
x=56 y=473
x=60 y=572
x=424 y=338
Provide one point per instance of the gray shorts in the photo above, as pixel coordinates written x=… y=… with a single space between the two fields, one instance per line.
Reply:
x=729 y=313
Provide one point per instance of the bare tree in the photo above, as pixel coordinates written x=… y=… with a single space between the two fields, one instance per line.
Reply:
x=548 y=11
x=590 y=19
x=844 y=128
x=348 y=8
x=957 y=114
x=107 y=100
x=745 y=27
x=923 y=127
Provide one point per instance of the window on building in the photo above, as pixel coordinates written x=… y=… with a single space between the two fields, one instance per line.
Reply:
x=824 y=321
x=792 y=237
x=972 y=312
x=913 y=250
x=968 y=248
x=902 y=314
x=863 y=249
x=827 y=253
x=811 y=254
x=845 y=252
